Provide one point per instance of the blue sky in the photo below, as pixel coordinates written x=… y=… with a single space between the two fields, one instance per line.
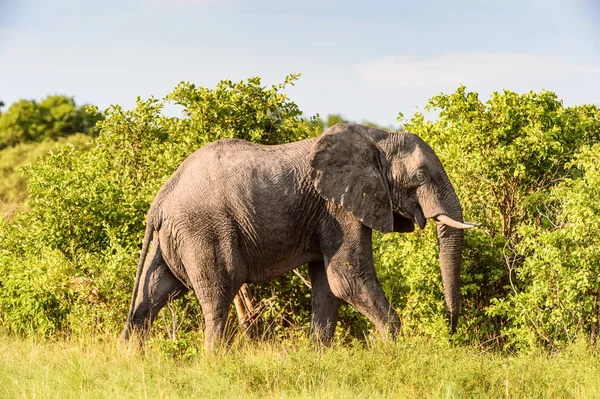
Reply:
x=367 y=60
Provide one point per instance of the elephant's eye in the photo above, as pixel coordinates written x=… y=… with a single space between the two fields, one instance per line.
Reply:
x=420 y=177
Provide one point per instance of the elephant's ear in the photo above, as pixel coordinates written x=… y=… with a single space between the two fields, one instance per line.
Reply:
x=348 y=168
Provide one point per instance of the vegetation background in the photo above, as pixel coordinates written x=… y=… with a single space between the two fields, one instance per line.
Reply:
x=76 y=184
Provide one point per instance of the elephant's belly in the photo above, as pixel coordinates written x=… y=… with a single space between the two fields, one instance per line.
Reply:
x=269 y=269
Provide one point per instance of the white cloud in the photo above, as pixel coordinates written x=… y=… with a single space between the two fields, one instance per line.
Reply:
x=481 y=70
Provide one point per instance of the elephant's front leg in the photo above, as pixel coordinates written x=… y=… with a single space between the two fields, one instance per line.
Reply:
x=351 y=275
x=325 y=305
x=359 y=286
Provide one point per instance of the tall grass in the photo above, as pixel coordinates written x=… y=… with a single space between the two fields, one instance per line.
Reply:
x=100 y=368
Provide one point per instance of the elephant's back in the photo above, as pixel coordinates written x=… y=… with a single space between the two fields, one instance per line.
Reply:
x=234 y=161
x=231 y=153
x=238 y=178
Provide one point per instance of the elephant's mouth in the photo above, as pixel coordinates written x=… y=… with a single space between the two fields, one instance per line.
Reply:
x=419 y=217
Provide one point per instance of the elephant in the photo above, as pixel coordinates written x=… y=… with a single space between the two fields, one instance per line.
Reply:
x=237 y=212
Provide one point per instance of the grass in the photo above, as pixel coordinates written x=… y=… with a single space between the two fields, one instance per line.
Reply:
x=413 y=368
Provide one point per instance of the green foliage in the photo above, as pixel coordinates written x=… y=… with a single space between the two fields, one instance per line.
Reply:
x=86 y=200
x=55 y=116
x=244 y=110
x=28 y=130
x=33 y=297
x=13 y=185
x=560 y=274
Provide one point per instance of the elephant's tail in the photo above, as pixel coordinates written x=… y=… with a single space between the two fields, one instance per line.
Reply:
x=138 y=275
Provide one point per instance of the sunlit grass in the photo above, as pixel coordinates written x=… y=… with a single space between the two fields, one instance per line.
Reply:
x=94 y=367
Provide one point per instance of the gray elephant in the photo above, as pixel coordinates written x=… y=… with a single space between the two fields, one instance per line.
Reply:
x=236 y=212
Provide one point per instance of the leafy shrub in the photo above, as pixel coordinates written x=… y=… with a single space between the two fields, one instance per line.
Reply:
x=54 y=117
x=13 y=185
x=560 y=272
x=29 y=130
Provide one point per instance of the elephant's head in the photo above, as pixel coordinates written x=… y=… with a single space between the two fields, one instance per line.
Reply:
x=390 y=181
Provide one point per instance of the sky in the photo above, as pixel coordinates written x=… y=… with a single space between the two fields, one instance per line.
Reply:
x=365 y=60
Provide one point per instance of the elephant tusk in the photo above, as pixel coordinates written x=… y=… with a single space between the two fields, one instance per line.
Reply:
x=453 y=223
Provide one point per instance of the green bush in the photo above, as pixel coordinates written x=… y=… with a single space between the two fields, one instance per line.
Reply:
x=560 y=274
x=13 y=185
x=29 y=130
x=35 y=292
x=54 y=117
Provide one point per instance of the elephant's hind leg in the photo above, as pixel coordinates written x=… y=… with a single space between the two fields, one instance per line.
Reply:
x=156 y=287
x=325 y=305
x=214 y=285
x=216 y=274
x=216 y=311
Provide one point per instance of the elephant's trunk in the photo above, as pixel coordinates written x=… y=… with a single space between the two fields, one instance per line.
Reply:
x=444 y=207
x=451 y=241
x=451 y=244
